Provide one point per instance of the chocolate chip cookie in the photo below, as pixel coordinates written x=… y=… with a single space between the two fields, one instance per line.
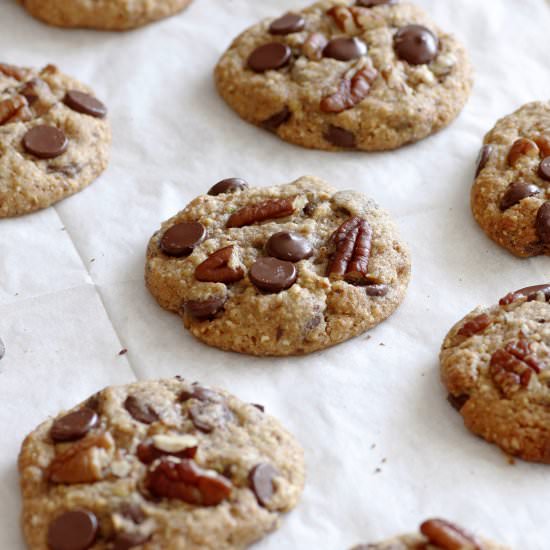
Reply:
x=54 y=138
x=162 y=464
x=495 y=363
x=279 y=270
x=116 y=15
x=435 y=534
x=511 y=191
x=368 y=75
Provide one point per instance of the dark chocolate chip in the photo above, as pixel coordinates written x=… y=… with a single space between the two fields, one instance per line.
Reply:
x=544 y=169
x=124 y=541
x=85 y=103
x=416 y=44
x=259 y=407
x=377 y=290
x=516 y=192
x=288 y=246
x=345 y=49
x=457 y=401
x=205 y=309
x=261 y=482
x=73 y=530
x=274 y=55
x=340 y=137
x=45 y=142
x=182 y=238
x=373 y=3
x=272 y=274
x=542 y=223
x=74 y=425
x=483 y=157
x=287 y=24
x=278 y=119
x=229 y=185
x=140 y=411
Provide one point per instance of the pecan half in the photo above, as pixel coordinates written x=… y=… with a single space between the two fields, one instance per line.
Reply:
x=13 y=71
x=216 y=268
x=185 y=480
x=13 y=109
x=448 y=536
x=343 y=18
x=353 y=241
x=266 y=210
x=520 y=148
x=350 y=91
x=314 y=45
x=82 y=462
x=475 y=326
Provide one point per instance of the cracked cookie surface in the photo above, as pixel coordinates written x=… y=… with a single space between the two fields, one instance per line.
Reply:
x=117 y=15
x=510 y=197
x=279 y=270
x=54 y=138
x=162 y=464
x=341 y=75
x=495 y=364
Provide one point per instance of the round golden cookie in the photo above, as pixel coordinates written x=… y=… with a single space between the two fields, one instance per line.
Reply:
x=347 y=75
x=160 y=464
x=279 y=270
x=115 y=15
x=510 y=195
x=495 y=364
x=54 y=138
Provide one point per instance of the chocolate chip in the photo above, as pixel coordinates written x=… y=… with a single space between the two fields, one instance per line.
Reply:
x=85 y=103
x=516 y=192
x=73 y=530
x=259 y=407
x=340 y=137
x=278 y=119
x=345 y=49
x=74 y=425
x=377 y=290
x=274 y=55
x=229 y=185
x=483 y=157
x=261 y=482
x=182 y=238
x=542 y=223
x=373 y=3
x=287 y=24
x=45 y=142
x=124 y=541
x=416 y=44
x=288 y=246
x=458 y=401
x=140 y=411
x=544 y=169
x=272 y=274
x=2 y=349
x=205 y=309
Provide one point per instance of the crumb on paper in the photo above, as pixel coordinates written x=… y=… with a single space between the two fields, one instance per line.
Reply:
x=123 y=351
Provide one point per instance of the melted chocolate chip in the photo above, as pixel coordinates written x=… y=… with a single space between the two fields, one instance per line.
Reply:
x=229 y=185
x=278 y=119
x=85 y=104
x=287 y=24
x=345 y=49
x=288 y=246
x=73 y=530
x=516 y=192
x=542 y=223
x=272 y=274
x=340 y=137
x=74 y=425
x=182 y=238
x=416 y=44
x=274 y=55
x=205 y=309
x=544 y=169
x=140 y=411
x=483 y=157
x=261 y=482
x=45 y=142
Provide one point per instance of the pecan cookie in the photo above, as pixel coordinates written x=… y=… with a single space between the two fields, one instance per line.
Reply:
x=368 y=75
x=495 y=363
x=511 y=192
x=280 y=270
x=162 y=464
x=116 y=15
x=54 y=138
x=435 y=534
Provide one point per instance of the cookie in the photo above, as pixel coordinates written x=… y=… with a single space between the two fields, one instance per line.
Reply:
x=510 y=195
x=281 y=270
x=116 y=15
x=54 y=138
x=435 y=534
x=495 y=364
x=369 y=75
x=162 y=464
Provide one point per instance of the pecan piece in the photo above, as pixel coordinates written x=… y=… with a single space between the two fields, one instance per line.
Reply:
x=314 y=45
x=180 y=446
x=475 y=326
x=350 y=91
x=13 y=71
x=448 y=536
x=530 y=292
x=266 y=210
x=185 y=480
x=353 y=241
x=520 y=148
x=216 y=268
x=82 y=462
x=11 y=107
x=343 y=18
x=543 y=143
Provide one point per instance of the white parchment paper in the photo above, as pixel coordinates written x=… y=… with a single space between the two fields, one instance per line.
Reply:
x=383 y=448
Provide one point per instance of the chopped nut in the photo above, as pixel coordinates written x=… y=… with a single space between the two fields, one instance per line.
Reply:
x=217 y=269
x=173 y=443
x=10 y=107
x=448 y=536
x=314 y=45
x=475 y=326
